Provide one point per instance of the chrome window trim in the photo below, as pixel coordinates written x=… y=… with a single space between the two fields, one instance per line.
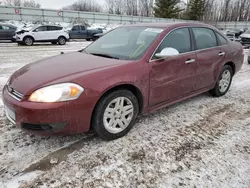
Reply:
x=153 y=60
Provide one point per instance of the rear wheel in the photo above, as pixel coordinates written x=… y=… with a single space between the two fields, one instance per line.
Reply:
x=28 y=41
x=115 y=114
x=224 y=82
x=61 y=40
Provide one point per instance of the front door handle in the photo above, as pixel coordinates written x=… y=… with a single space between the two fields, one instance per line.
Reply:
x=222 y=53
x=190 y=61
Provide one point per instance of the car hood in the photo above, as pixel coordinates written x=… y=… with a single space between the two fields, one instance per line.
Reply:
x=57 y=69
x=245 y=35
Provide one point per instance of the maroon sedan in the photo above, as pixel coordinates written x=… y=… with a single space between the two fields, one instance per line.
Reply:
x=130 y=70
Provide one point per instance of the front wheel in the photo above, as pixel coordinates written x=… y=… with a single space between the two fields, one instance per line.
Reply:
x=115 y=114
x=224 y=82
x=28 y=41
x=61 y=40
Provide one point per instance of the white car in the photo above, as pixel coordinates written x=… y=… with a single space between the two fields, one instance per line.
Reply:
x=42 y=33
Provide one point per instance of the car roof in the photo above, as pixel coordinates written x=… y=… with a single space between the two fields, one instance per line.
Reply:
x=48 y=25
x=175 y=24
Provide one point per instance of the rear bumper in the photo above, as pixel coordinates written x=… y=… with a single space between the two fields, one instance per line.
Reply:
x=49 y=118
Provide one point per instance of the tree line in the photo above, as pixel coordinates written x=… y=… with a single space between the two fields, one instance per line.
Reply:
x=202 y=10
x=24 y=3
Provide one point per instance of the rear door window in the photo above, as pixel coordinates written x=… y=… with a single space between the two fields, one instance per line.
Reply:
x=83 y=27
x=54 y=28
x=205 y=38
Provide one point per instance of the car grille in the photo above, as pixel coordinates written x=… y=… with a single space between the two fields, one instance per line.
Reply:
x=15 y=94
x=245 y=39
x=33 y=127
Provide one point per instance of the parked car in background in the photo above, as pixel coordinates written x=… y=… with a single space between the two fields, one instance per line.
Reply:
x=233 y=34
x=248 y=57
x=99 y=35
x=130 y=70
x=82 y=32
x=245 y=38
x=7 y=32
x=42 y=33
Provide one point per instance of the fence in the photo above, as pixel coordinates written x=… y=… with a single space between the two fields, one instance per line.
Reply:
x=43 y=15
x=230 y=25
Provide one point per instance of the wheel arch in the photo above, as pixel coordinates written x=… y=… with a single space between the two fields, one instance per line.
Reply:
x=28 y=36
x=232 y=65
x=130 y=87
x=62 y=36
x=134 y=89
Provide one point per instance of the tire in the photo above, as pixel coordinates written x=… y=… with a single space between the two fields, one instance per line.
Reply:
x=54 y=43
x=94 y=38
x=29 y=41
x=61 y=40
x=102 y=125
x=224 y=82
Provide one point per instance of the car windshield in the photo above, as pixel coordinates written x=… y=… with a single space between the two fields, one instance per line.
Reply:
x=125 y=43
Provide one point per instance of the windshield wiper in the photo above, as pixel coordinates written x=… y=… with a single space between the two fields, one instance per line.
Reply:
x=82 y=50
x=104 y=55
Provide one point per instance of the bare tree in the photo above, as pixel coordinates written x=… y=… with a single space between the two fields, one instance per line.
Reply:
x=146 y=7
x=110 y=6
x=118 y=6
x=85 y=5
x=31 y=3
x=12 y=2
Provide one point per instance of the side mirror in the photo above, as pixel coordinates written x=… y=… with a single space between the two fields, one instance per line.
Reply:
x=167 y=52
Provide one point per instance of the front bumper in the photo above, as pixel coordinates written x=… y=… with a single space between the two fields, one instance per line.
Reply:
x=49 y=118
x=17 y=38
x=245 y=41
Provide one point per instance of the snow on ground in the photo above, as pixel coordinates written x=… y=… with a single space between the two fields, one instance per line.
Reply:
x=68 y=26
x=201 y=142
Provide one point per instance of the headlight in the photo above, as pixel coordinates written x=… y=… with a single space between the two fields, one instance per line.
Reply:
x=57 y=93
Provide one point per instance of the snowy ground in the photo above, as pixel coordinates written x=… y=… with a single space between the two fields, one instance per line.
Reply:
x=202 y=142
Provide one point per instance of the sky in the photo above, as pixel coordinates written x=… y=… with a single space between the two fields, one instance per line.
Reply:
x=57 y=4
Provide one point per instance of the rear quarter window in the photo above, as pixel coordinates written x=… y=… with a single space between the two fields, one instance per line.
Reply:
x=54 y=28
x=221 y=40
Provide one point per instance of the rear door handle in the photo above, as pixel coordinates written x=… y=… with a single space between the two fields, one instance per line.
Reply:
x=190 y=61
x=222 y=53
